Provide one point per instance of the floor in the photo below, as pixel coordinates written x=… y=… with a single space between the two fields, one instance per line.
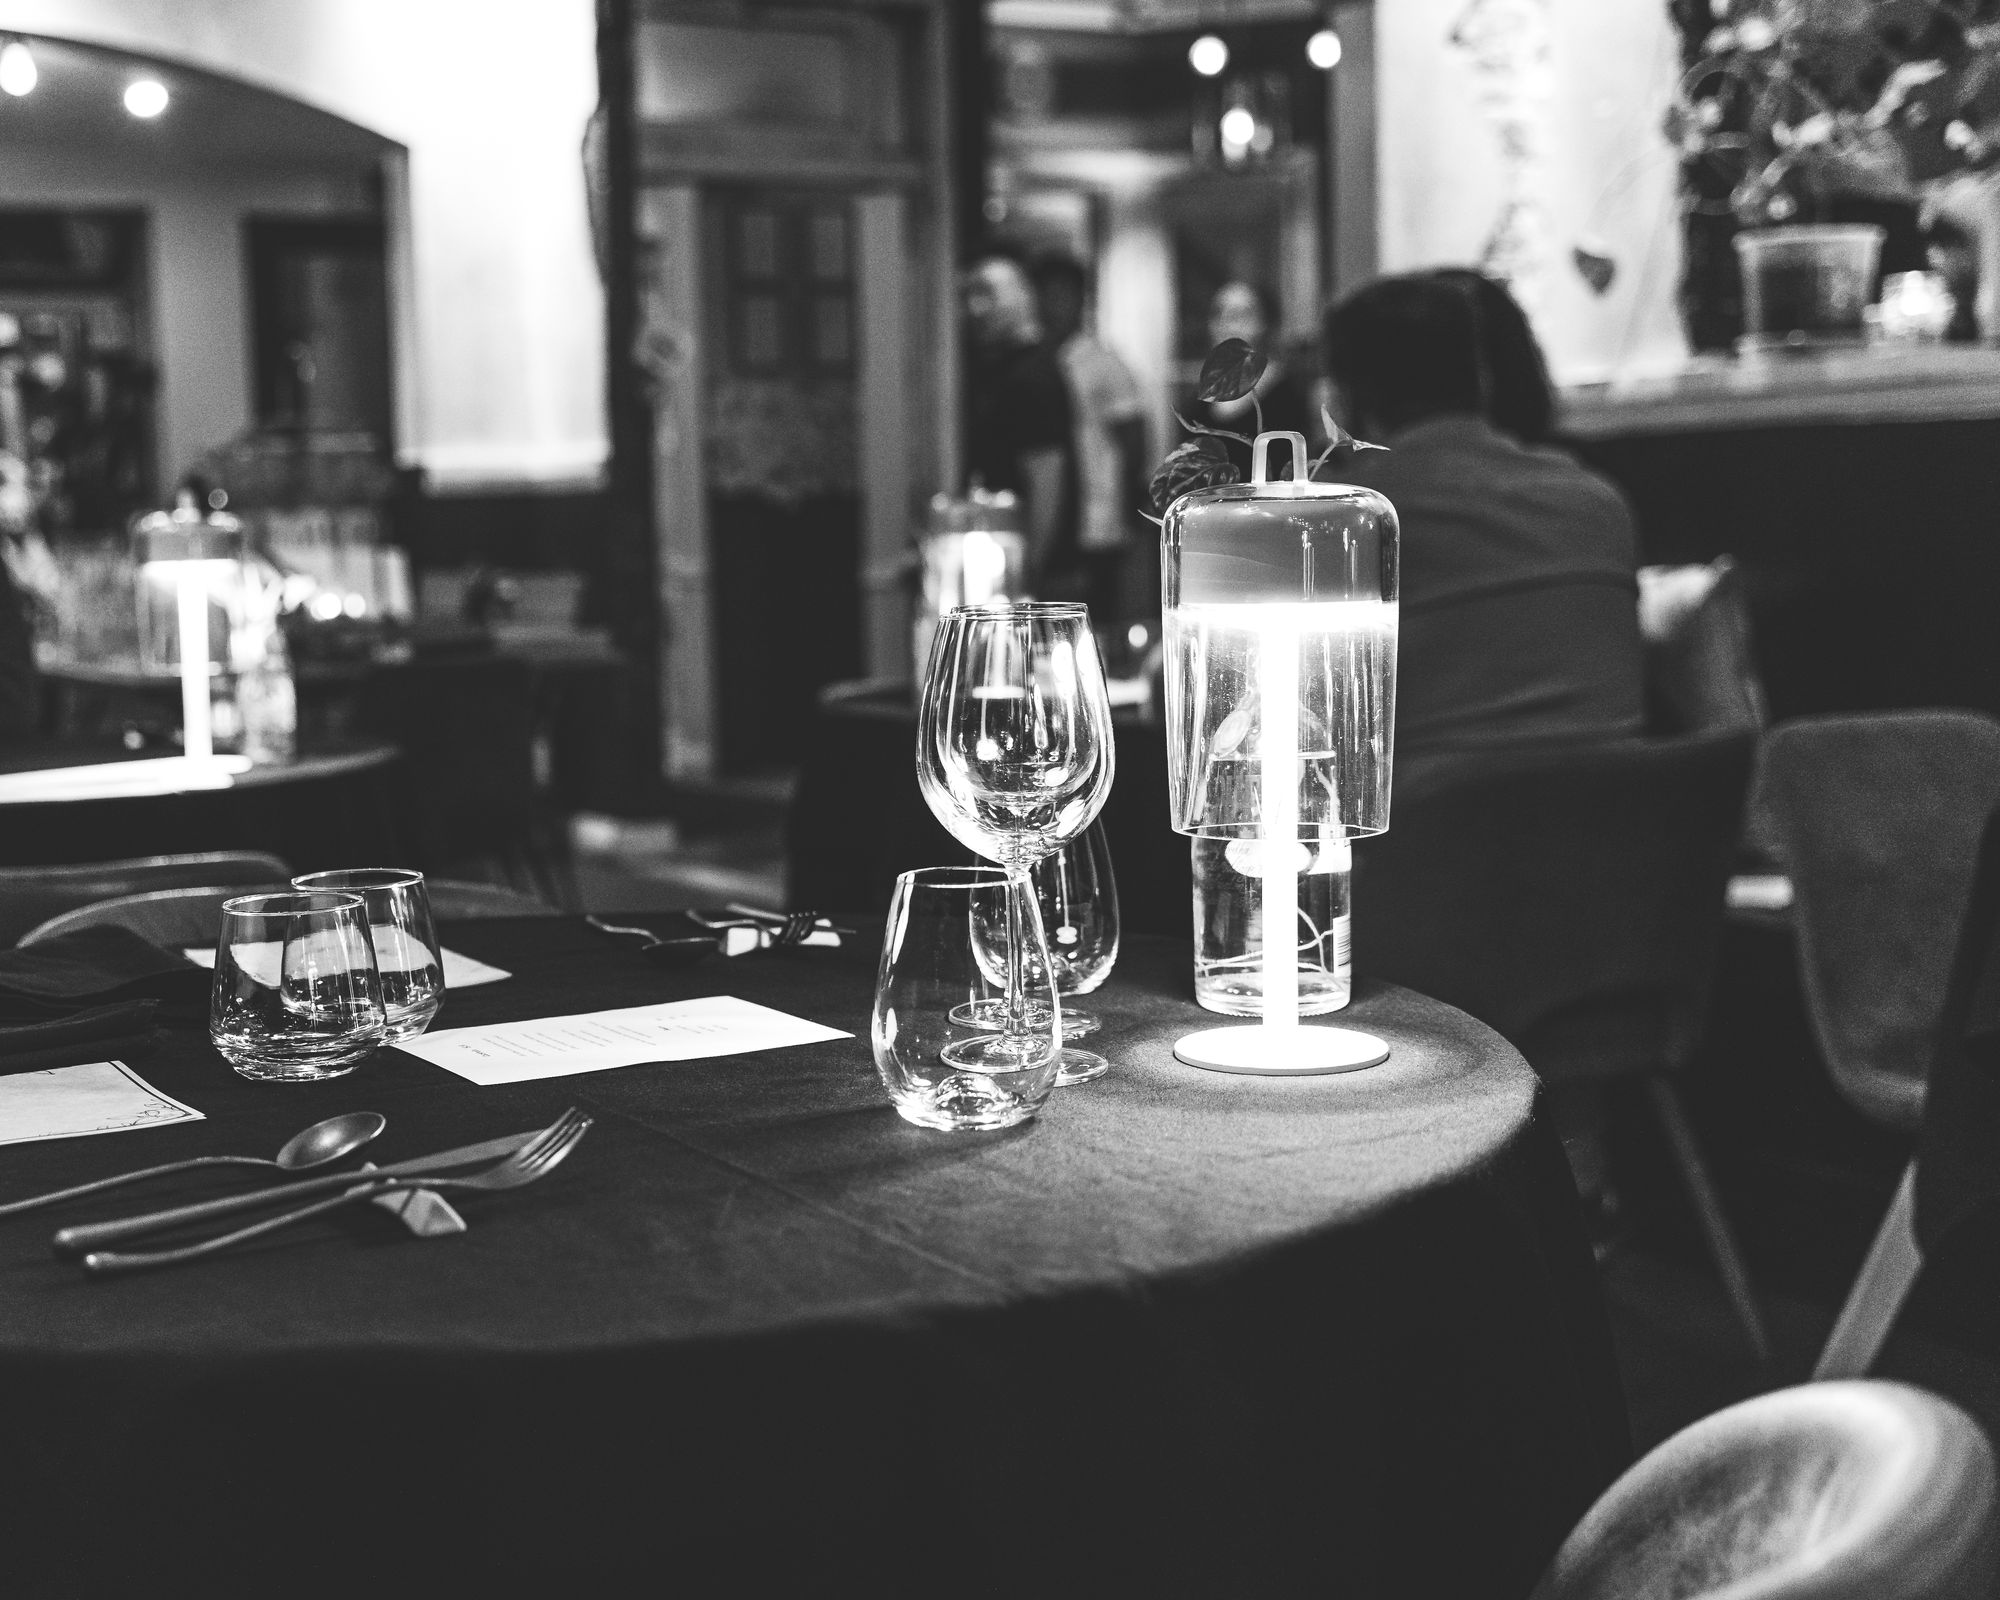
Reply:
x=1802 y=1176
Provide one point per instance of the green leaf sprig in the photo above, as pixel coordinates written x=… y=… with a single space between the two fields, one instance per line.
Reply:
x=1231 y=372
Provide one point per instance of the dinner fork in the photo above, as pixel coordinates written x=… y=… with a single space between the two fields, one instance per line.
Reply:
x=534 y=1160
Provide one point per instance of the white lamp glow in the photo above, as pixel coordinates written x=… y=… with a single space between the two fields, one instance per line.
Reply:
x=145 y=98
x=18 y=73
x=1208 y=55
x=1323 y=49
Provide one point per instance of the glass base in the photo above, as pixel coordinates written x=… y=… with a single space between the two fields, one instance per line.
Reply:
x=293 y=1071
x=1080 y=1066
x=274 y=1061
x=1238 y=991
x=965 y=1104
x=992 y=1016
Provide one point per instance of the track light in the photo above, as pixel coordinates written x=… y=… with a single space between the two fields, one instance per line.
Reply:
x=18 y=73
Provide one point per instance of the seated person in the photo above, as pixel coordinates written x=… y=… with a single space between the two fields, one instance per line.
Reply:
x=1519 y=588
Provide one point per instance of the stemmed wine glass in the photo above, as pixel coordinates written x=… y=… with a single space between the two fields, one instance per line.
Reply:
x=1015 y=758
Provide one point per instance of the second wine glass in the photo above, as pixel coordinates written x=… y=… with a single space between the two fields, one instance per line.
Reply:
x=1015 y=758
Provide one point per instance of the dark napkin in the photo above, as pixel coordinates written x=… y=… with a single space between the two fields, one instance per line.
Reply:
x=97 y=967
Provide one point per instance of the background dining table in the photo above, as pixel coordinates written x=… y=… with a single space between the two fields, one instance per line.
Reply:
x=1184 y=1334
x=329 y=807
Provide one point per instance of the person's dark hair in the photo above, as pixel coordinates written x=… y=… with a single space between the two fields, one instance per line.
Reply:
x=1520 y=399
x=1404 y=349
x=1434 y=343
x=1058 y=266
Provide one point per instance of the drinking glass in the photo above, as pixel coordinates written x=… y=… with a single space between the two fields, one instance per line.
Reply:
x=942 y=1072
x=296 y=995
x=1014 y=757
x=406 y=946
x=1078 y=901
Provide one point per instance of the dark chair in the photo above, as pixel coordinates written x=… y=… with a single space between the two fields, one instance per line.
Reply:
x=1879 y=819
x=1571 y=898
x=455 y=901
x=30 y=896
x=173 y=919
x=1830 y=1491
x=466 y=728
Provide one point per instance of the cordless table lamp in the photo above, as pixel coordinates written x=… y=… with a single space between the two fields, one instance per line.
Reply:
x=1280 y=609
x=191 y=587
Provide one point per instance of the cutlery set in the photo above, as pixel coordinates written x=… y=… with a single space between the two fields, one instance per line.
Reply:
x=735 y=931
x=510 y=1162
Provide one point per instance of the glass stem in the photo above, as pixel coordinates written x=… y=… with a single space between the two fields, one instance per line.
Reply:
x=1018 y=888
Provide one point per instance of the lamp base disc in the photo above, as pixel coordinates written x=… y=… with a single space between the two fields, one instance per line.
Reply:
x=1281 y=1052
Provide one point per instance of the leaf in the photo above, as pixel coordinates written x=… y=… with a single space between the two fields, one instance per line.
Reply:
x=1338 y=438
x=1230 y=372
x=1214 y=433
x=1197 y=464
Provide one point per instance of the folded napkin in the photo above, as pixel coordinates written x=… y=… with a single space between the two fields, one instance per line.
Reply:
x=92 y=995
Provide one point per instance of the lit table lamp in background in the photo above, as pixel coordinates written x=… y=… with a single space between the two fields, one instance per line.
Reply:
x=1280 y=611
x=974 y=554
x=191 y=595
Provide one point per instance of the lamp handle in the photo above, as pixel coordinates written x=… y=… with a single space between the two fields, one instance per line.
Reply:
x=1260 y=456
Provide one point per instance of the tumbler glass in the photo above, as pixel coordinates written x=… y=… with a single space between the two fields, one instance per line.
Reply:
x=941 y=1072
x=296 y=996
x=406 y=946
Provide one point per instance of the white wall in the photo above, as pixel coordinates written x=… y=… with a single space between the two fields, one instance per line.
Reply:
x=1601 y=168
x=506 y=378
x=199 y=290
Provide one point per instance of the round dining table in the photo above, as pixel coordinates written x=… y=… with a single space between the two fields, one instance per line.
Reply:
x=1183 y=1334
x=327 y=808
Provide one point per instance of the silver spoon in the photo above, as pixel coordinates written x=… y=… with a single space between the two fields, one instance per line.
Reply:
x=317 y=1146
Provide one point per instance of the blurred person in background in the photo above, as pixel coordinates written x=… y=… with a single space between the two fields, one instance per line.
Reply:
x=1108 y=442
x=1519 y=565
x=1247 y=311
x=1022 y=435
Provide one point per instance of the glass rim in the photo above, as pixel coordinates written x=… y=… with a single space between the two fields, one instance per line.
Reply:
x=255 y=905
x=1052 y=609
x=951 y=878
x=383 y=878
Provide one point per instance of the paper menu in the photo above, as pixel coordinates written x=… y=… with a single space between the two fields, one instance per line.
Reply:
x=261 y=962
x=69 y=1102
x=556 y=1047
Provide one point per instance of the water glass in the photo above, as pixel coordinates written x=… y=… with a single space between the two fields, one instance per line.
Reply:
x=942 y=1072
x=296 y=996
x=406 y=946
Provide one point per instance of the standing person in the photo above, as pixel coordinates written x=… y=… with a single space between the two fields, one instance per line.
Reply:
x=1244 y=310
x=1022 y=436
x=1109 y=428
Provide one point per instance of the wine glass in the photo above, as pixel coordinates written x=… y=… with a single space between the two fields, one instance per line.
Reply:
x=1014 y=757
x=1078 y=899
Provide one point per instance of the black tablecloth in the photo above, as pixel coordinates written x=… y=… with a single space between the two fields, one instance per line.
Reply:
x=328 y=809
x=1183 y=1335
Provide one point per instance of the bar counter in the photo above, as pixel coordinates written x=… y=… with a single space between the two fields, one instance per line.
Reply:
x=1860 y=493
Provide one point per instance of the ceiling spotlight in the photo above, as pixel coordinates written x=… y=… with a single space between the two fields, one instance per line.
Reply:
x=1238 y=127
x=1208 y=55
x=1323 y=49
x=17 y=68
x=145 y=97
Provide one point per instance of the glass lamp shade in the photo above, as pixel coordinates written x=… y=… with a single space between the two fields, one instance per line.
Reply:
x=1280 y=594
x=194 y=566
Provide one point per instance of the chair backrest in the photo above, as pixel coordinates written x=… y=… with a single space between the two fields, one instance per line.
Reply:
x=453 y=900
x=170 y=918
x=1830 y=1491
x=1570 y=897
x=1701 y=672
x=1877 y=819
x=30 y=896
